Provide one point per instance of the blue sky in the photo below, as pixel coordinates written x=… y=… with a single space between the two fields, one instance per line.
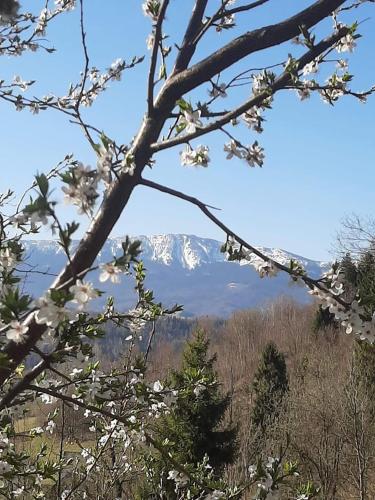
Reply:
x=319 y=159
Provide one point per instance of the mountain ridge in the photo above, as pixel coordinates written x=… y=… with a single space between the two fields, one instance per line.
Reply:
x=166 y=249
x=181 y=268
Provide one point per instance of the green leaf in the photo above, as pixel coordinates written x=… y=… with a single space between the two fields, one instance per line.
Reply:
x=43 y=184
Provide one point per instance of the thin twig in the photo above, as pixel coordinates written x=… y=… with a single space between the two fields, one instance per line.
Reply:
x=154 y=56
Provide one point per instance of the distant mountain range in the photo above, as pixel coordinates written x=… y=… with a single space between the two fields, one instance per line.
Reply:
x=182 y=268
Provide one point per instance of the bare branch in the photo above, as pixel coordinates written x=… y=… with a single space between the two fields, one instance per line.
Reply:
x=357 y=235
x=311 y=283
x=242 y=8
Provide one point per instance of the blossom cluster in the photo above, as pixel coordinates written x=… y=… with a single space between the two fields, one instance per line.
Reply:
x=253 y=154
x=84 y=93
x=20 y=31
x=82 y=183
x=354 y=317
x=196 y=157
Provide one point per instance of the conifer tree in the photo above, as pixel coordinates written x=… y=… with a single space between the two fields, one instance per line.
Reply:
x=269 y=386
x=364 y=353
x=194 y=425
x=350 y=271
x=323 y=317
x=194 y=428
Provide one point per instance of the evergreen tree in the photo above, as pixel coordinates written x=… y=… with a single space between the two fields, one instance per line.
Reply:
x=364 y=353
x=323 y=317
x=366 y=280
x=194 y=428
x=349 y=268
x=194 y=424
x=269 y=386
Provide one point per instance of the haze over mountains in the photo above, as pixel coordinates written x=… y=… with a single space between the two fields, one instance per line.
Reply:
x=185 y=269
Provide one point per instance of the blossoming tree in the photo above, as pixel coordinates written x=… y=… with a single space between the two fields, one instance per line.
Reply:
x=50 y=333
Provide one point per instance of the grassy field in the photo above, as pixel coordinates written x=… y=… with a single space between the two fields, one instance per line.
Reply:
x=32 y=445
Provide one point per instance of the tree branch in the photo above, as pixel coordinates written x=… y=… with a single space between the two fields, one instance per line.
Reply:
x=310 y=282
x=242 y=8
x=280 y=83
x=154 y=56
x=239 y=48
x=188 y=45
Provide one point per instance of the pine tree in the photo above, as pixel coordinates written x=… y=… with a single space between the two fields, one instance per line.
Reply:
x=366 y=280
x=350 y=271
x=364 y=353
x=194 y=424
x=194 y=428
x=323 y=317
x=269 y=386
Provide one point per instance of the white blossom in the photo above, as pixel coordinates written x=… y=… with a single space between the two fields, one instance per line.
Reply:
x=22 y=84
x=254 y=155
x=49 y=313
x=253 y=119
x=190 y=120
x=218 y=90
x=4 y=467
x=232 y=149
x=76 y=372
x=4 y=441
x=7 y=259
x=252 y=470
x=18 y=491
x=128 y=165
x=225 y=22
x=342 y=64
x=17 y=331
x=311 y=67
x=116 y=68
x=151 y=8
x=215 y=495
x=50 y=427
x=260 y=82
x=346 y=44
x=304 y=91
x=150 y=41
x=47 y=399
x=265 y=268
x=104 y=165
x=335 y=88
x=110 y=272
x=196 y=157
x=198 y=389
x=158 y=387
x=83 y=293
x=82 y=192
x=178 y=477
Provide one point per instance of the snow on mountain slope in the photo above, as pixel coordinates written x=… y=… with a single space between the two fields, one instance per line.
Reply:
x=183 y=268
x=187 y=251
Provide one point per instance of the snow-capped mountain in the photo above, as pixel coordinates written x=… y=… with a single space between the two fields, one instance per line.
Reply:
x=182 y=268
